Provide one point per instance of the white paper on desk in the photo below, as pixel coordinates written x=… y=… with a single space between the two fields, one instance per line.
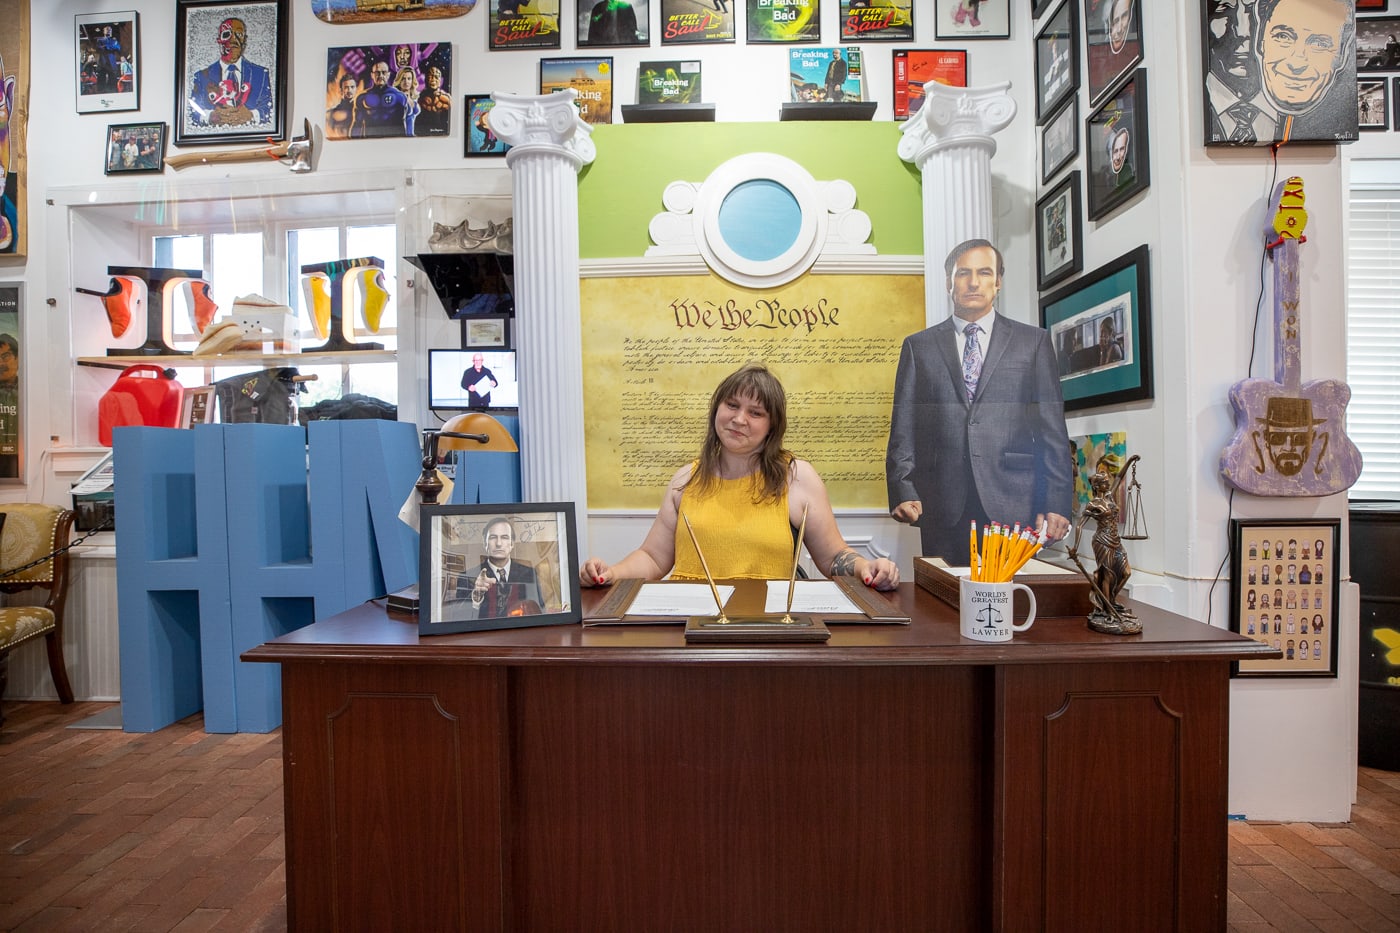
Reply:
x=677 y=599
x=809 y=596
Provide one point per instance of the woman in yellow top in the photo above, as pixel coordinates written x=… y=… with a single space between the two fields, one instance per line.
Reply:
x=743 y=497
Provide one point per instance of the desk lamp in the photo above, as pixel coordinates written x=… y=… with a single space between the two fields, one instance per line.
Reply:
x=472 y=431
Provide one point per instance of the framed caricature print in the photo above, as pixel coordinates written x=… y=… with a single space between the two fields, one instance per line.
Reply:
x=230 y=78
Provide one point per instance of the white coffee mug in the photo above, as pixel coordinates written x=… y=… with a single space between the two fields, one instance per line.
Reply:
x=985 y=609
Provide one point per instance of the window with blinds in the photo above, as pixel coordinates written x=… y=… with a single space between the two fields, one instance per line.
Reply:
x=1373 y=339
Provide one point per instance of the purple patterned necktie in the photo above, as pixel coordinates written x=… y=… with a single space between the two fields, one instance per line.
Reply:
x=972 y=359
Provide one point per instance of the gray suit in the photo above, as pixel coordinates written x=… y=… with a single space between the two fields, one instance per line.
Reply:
x=1008 y=450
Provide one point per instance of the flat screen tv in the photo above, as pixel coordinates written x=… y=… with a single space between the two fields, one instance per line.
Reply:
x=452 y=375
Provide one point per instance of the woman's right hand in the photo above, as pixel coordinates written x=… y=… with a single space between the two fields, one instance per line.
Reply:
x=595 y=572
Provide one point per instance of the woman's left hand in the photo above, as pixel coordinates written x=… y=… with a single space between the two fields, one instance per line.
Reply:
x=881 y=574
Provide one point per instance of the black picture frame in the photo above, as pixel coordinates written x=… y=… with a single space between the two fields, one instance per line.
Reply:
x=1112 y=181
x=208 y=110
x=14 y=360
x=1372 y=6
x=453 y=553
x=1110 y=54
x=487 y=332
x=477 y=137
x=1059 y=140
x=1250 y=96
x=134 y=149
x=611 y=31
x=990 y=20
x=107 y=49
x=1120 y=291
x=1374 y=50
x=1256 y=587
x=1059 y=233
x=1395 y=102
x=1056 y=60
x=1373 y=104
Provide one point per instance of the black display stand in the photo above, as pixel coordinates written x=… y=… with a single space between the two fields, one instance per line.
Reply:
x=829 y=110
x=668 y=113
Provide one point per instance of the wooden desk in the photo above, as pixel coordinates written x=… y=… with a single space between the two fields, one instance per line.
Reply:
x=896 y=778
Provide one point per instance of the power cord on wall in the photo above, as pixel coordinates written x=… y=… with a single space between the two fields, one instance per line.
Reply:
x=1249 y=373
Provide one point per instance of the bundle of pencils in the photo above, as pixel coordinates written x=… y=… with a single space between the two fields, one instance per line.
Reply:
x=1004 y=550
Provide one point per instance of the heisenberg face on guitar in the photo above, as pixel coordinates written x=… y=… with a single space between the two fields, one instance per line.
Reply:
x=1290 y=437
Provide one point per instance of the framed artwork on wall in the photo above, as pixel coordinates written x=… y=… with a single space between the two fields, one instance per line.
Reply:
x=1255 y=92
x=971 y=19
x=1373 y=103
x=1283 y=592
x=1101 y=326
x=863 y=22
x=915 y=68
x=1377 y=44
x=1059 y=233
x=135 y=147
x=11 y=385
x=1056 y=60
x=391 y=90
x=1372 y=6
x=108 y=79
x=230 y=72
x=1113 y=43
x=1059 y=140
x=486 y=333
x=790 y=21
x=592 y=78
x=497 y=566
x=1115 y=138
x=480 y=140
x=603 y=23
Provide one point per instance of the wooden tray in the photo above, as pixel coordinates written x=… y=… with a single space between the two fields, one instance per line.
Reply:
x=1058 y=592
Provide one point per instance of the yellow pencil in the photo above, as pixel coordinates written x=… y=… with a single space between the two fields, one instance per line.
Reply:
x=972 y=549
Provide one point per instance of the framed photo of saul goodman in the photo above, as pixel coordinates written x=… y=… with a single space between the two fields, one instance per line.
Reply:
x=497 y=566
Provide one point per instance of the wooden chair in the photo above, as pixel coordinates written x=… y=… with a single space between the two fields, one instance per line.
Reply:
x=32 y=532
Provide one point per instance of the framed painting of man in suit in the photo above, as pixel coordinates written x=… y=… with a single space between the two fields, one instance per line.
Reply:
x=230 y=78
x=1101 y=326
x=497 y=566
x=1279 y=71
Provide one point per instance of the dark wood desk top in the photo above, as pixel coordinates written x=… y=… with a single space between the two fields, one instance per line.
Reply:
x=370 y=634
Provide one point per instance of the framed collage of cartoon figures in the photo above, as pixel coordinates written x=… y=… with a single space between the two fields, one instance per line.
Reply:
x=1283 y=592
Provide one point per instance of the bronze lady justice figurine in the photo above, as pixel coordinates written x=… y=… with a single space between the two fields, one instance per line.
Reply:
x=1107 y=580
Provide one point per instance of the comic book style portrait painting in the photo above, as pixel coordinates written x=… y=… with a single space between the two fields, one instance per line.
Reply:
x=1279 y=70
x=231 y=85
x=379 y=91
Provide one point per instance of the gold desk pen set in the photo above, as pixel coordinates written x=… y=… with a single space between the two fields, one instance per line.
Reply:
x=721 y=628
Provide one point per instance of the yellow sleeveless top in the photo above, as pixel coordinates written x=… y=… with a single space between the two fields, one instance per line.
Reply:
x=741 y=539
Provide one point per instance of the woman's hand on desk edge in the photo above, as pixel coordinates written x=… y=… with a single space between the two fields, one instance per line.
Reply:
x=881 y=574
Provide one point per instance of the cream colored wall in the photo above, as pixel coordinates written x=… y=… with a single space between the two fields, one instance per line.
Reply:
x=1202 y=217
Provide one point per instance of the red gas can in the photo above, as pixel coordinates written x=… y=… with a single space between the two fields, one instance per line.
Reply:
x=142 y=394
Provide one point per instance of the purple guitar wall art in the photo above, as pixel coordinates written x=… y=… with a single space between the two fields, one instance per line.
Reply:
x=1290 y=436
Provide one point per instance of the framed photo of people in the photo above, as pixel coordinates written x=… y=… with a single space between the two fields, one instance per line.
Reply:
x=230 y=72
x=1283 y=592
x=1113 y=43
x=1260 y=88
x=1059 y=233
x=1059 y=140
x=497 y=566
x=107 y=59
x=11 y=386
x=1377 y=44
x=1373 y=103
x=1115 y=138
x=1056 y=60
x=133 y=148
x=1101 y=326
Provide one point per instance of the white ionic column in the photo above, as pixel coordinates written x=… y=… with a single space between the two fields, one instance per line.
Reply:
x=950 y=140
x=549 y=144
